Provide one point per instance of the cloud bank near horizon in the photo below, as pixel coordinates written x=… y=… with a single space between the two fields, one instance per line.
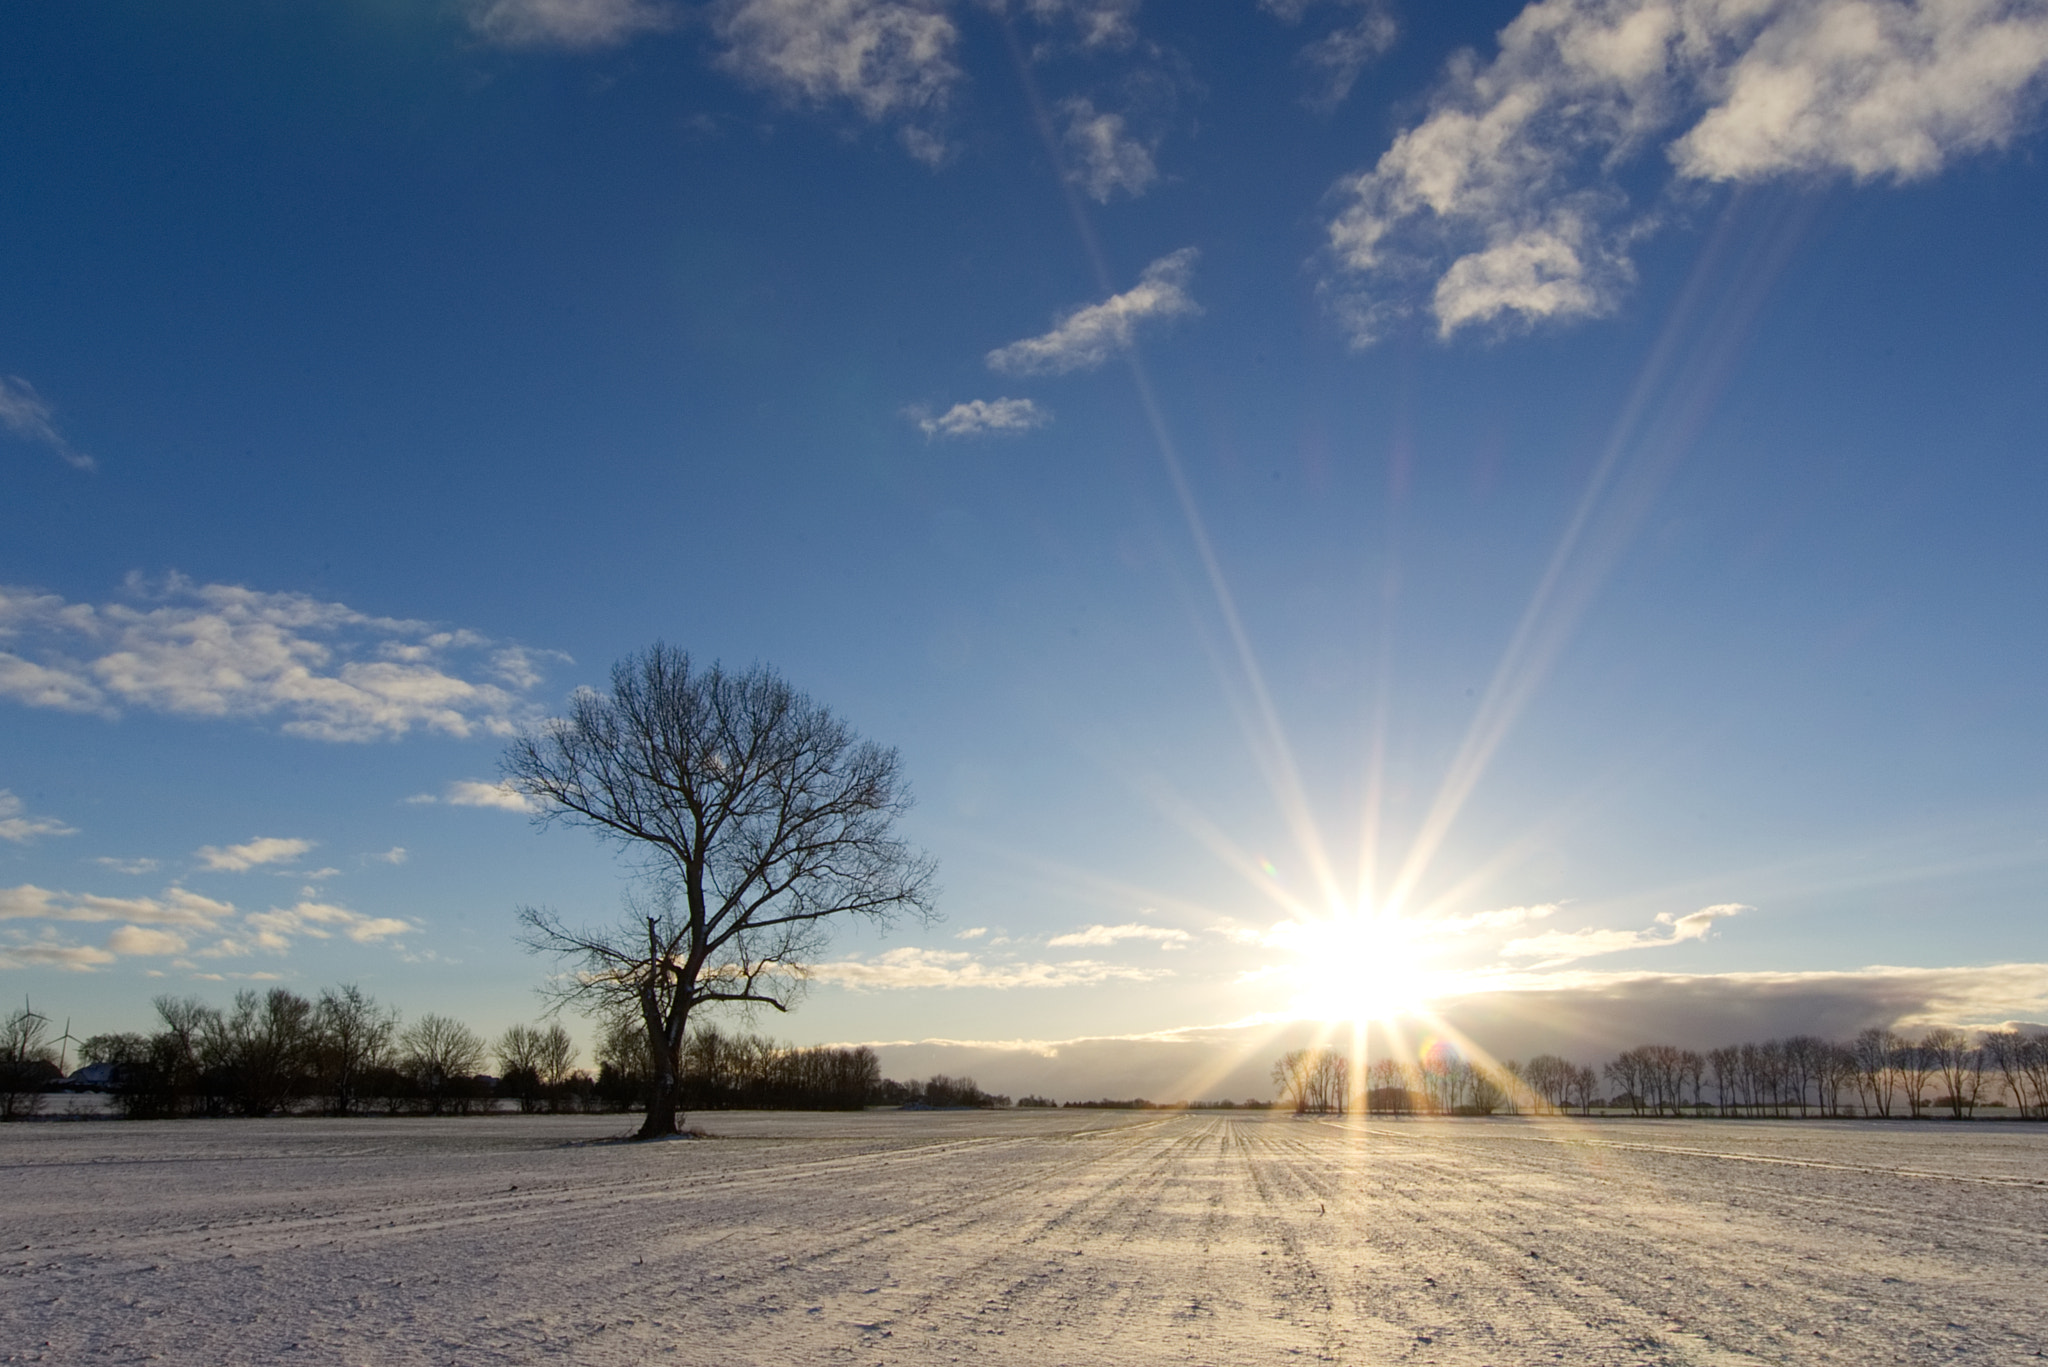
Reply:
x=1585 y=1016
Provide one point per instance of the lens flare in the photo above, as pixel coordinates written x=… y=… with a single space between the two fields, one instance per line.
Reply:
x=1358 y=966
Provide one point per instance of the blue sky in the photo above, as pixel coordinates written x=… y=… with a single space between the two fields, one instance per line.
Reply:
x=1555 y=472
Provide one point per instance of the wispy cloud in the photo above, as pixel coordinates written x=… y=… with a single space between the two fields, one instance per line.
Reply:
x=274 y=930
x=172 y=923
x=1105 y=24
x=395 y=855
x=241 y=858
x=578 y=25
x=217 y=650
x=134 y=941
x=1105 y=157
x=173 y=907
x=888 y=59
x=18 y=827
x=1506 y=201
x=911 y=967
x=1564 y=946
x=1090 y=335
x=470 y=792
x=1164 y=936
x=51 y=954
x=1341 y=55
x=128 y=866
x=981 y=418
x=25 y=413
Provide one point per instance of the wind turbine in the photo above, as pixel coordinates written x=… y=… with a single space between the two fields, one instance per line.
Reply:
x=64 y=1053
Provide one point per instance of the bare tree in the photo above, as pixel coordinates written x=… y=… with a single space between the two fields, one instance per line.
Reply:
x=1294 y=1074
x=518 y=1051
x=1625 y=1070
x=261 y=1054
x=2021 y=1061
x=757 y=816
x=1317 y=1080
x=1387 y=1087
x=1961 y=1065
x=1550 y=1077
x=1483 y=1090
x=354 y=1035
x=1836 y=1069
x=1692 y=1072
x=27 y=1062
x=2033 y=1068
x=1580 y=1086
x=555 y=1060
x=1916 y=1066
x=1876 y=1078
x=439 y=1055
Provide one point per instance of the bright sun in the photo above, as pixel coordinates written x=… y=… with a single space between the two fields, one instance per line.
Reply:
x=1357 y=967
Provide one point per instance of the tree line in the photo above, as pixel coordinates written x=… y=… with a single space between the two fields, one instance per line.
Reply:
x=344 y=1053
x=1880 y=1073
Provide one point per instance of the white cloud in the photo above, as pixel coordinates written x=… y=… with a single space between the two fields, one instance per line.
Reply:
x=395 y=855
x=575 y=24
x=128 y=866
x=274 y=929
x=1102 y=23
x=1105 y=156
x=1109 y=935
x=1504 y=204
x=25 y=681
x=217 y=650
x=1339 y=56
x=1564 y=946
x=241 y=858
x=471 y=792
x=173 y=907
x=24 y=413
x=168 y=924
x=1091 y=335
x=889 y=59
x=912 y=967
x=981 y=417
x=971 y=933
x=136 y=940
x=1498 y=919
x=18 y=827
x=1876 y=88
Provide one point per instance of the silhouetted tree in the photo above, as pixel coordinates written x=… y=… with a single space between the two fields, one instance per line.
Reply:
x=441 y=1058
x=353 y=1037
x=28 y=1062
x=758 y=816
x=1960 y=1065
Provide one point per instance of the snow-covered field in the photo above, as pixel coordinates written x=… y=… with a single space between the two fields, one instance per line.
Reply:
x=1023 y=1237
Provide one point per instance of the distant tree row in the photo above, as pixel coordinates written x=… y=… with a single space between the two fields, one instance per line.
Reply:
x=343 y=1053
x=340 y=1054
x=1878 y=1074
x=724 y=1071
x=1141 y=1104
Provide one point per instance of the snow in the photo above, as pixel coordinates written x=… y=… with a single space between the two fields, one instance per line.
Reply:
x=1023 y=1237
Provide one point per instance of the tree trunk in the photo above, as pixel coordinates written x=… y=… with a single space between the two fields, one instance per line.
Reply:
x=660 y=1121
